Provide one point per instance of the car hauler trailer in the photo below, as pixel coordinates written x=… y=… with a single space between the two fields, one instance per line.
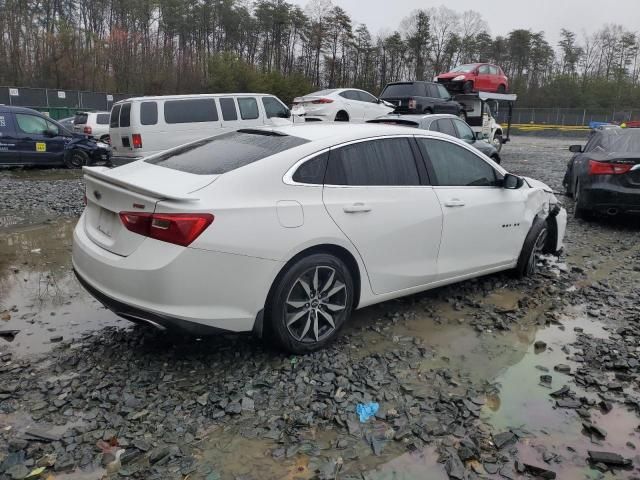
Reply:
x=481 y=110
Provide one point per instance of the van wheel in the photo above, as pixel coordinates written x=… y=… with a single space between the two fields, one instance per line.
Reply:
x=532 y=249
x=311 y=303
x=467 y=87
x=497 y=141
x=428 y=111
x=342 y=116
x=106 y=139
x=76 y=159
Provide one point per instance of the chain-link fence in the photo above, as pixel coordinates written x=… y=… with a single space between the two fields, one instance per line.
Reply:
x=59 y=103
x=568 y=116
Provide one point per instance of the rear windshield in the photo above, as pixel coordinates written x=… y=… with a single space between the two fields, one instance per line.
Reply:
x=102 y=119
x=620 y=142
x=80 y=119
x=224 y=153
x=403 y=90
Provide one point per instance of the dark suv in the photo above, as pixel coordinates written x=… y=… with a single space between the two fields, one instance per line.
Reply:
x=421 y=97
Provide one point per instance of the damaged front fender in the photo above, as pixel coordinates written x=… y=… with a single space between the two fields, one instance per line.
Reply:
x=541 y=202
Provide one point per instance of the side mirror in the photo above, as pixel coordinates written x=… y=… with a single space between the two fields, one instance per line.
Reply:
x=287 y=114
x=49 y=133
x=512 y=182
x=575 y=148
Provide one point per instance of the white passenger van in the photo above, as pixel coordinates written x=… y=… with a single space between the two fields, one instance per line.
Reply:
x=142 y=126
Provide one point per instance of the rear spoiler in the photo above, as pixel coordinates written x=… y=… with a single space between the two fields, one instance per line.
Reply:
x=99 y=173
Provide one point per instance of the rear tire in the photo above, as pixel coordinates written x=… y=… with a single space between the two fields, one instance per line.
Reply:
x=467 y=87
x=532 y=249
x=76 y=159
x=311 y=303
x=580 y=211
x=502 y=89
x=342 y=116
x=428 y=111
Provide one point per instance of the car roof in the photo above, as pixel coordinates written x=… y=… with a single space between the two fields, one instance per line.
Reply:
x=15 y=109
x=336 y=133
x=186 y=97
x=412 y=82
x=414 y=117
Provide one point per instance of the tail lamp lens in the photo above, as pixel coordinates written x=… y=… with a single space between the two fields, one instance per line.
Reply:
x=177 y=228
x=608 y=168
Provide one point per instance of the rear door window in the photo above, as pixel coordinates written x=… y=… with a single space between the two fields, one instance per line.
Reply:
x=6 y=125
x=228 y=107
x=274 y=108
x=102 y=119
x=367 y=97
x=432 y=91
x=483 y=70
x=402 y=90
x=224 y=153
x=248 y=108
x=454 y=165
x=312 y=171
x=444 y=125
x=115 y=117
x=125 y=115
x=80 y=118
x=382 y=162
x=194 y=110
x=148 y=113
x=442 y=92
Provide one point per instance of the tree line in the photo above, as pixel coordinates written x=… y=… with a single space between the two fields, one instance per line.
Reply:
x=188 y=46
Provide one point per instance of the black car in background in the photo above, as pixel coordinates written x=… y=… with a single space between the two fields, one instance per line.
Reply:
x=604 y=175
x=449 y=124
x=421 y=97
x=29 y=138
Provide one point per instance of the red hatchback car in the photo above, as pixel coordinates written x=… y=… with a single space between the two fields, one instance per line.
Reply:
x=475 y=77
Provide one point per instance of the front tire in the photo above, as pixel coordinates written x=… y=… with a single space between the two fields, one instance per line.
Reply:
x=467 y=87
x=76 y=159
x=532 y=249
x=311 y=303
x=497 y=142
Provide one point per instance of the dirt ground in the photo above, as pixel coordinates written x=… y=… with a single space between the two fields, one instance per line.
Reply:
x=469 y=378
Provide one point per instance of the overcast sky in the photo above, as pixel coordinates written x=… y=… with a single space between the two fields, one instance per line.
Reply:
x=504 y=15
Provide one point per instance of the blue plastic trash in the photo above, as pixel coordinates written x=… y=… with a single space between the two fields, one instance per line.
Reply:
x=366 y=410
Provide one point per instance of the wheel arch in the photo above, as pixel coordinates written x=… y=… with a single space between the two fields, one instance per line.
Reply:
x=345 y=112
x=262 y=327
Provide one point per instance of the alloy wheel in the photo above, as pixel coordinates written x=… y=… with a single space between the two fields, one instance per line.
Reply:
x=313 y=304
x=536 y=252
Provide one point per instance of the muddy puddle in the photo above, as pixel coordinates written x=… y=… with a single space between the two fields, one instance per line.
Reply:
x=39 y=295
x=522 y=401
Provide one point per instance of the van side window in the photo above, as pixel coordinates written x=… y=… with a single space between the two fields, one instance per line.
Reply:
x=274 y=108
x=125 y=115
x=31 y=124
x=248 y=108
x=148 y=113
x=190 y=111
x=228 y=107
x=115 y=117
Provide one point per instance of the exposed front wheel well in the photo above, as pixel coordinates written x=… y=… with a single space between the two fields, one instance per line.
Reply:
x=331 y=249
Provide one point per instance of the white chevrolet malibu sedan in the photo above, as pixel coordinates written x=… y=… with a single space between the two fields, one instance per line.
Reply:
x=288 y=230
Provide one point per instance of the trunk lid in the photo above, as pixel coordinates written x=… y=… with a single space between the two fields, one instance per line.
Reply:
x=136 y=187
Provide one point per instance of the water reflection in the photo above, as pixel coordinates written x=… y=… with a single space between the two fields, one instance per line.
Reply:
x=39 y=294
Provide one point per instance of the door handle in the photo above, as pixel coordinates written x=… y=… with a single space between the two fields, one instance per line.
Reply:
x=357 y=208
x=454 y=202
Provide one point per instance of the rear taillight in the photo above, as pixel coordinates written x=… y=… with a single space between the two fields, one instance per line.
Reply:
x=322 y=100
x=136 y=140
x=87 y=130
x=412 y=104
x=608 y=168
x=177 y=228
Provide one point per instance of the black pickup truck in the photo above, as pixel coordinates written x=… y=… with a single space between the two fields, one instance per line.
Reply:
x=421 y=97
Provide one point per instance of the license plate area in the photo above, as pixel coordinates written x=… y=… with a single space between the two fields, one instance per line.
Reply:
x=106 y=222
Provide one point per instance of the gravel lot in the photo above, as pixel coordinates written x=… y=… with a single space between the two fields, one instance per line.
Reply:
x=491 y=378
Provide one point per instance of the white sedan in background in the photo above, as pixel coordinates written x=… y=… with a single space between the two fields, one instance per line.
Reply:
x=289 y=229
x=340 y=105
